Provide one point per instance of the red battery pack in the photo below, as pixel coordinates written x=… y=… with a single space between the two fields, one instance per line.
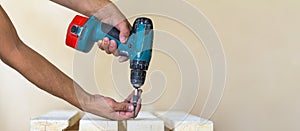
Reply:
x=72 y=38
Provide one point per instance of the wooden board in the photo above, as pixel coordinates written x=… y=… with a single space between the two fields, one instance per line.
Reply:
x=181 y=121
x=55 y=121
x=91 y=122
x=145 y=121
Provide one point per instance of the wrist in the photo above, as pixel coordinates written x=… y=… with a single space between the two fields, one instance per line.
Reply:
x=99 y=5
x=109 y=14
x=89 y=105
x=81 y=99
x=86 y=102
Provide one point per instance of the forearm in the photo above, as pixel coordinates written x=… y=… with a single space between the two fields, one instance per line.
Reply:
x=45 y=75
x=87 y=7
x=34 y=67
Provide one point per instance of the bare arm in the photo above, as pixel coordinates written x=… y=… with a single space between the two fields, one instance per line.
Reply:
x=88 y=7
x=33 y=66
x=47 y=77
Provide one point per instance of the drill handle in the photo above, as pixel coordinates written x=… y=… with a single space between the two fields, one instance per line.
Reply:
x=84 y=32
x=113 y=34
x=110 y=31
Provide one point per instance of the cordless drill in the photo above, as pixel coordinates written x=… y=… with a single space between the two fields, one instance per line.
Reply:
x=84 y=32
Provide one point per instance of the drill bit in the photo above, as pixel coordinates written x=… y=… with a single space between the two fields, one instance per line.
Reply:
x=135 y=99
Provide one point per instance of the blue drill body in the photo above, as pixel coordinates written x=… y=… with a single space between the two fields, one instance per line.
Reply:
x=138 y=47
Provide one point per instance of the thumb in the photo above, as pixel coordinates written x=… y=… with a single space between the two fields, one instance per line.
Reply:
x=123 y=107
x=124 y=28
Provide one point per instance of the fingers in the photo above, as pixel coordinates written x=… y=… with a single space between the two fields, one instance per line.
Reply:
x=127 y=107
x=138 y=107
x=130 y=96
x=124 y=28
x=123 y=115
x=104 y=45
x=110 y=14
x=109 y=46
x=113 y=48
x=129 y=99
x=124 y=110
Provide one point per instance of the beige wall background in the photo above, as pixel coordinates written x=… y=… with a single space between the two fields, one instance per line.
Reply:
x=260 y=40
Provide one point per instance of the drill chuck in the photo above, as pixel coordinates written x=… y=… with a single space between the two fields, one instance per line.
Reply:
x=138 y=72
x=137 y=78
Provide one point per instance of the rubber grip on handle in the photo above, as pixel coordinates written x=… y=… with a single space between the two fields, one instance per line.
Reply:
x=110 y=30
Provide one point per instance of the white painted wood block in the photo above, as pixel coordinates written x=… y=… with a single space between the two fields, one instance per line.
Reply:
x=145 y=121
x=181 y=121
x=91 y=122
x=55 y=121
